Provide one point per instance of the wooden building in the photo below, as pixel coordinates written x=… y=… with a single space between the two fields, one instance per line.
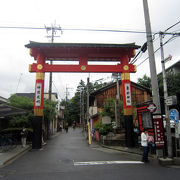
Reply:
x=139 y=94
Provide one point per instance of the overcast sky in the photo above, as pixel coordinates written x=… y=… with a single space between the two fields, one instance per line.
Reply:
x=91 y=14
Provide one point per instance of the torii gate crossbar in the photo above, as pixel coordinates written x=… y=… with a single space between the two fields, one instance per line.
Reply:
x=83 y=53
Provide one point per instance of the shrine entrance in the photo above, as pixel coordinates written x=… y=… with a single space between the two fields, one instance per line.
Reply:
x=83 y=53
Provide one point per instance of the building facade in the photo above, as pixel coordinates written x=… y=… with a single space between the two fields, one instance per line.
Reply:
x=139 y=94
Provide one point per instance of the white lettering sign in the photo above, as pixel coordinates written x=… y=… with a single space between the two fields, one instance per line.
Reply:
x=38 y=94
x=128 y=94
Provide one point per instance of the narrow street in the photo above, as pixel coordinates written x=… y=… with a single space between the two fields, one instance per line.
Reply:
x=68 y=156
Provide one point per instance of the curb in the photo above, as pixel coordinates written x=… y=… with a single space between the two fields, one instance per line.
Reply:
x=169 y=161
x=122 y=150
x=128 y=151
x=14 y=156
x=165 y=161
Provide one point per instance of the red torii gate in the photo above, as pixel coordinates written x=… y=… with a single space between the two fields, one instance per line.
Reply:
x=83 y=53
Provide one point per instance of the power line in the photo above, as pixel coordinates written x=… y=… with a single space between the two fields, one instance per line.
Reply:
x=57 y=90
x=20 y=27
x=170 y=39
x=172 y=26
x=83 y=29
x=105 y=30
x=74 y=29
x=174 y=35
x=135 y=58
x=19 y=82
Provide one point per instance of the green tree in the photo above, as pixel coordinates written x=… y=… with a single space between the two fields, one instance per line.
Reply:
x=173 y=83
x=145 y=81
x=49 y=110
x=23 y=103
x=28 y=104
x=72 y=110
x=173 y=86
x=109 y=108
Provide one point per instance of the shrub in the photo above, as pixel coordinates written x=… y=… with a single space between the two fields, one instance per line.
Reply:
x=103 y=129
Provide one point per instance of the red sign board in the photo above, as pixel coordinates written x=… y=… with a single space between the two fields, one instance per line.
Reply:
x=158 y=131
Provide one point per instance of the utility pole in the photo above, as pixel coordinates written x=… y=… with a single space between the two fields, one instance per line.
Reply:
x=87 y=113
x=53 y=30
x=154 y=81
x=117 y=111
x=168 y=127
x=83 y=120
x=87 y=100
x=67 y=92
x=117 y=77
x=80 y=120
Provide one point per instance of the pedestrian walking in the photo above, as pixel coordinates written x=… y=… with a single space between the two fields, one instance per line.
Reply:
x=66 y=127
x=144 y=144
x=24 y=134
x=74 y=125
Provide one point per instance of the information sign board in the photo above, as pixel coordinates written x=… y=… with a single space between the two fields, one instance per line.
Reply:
x=174 y=115
x=158 y=131
x=171 y=100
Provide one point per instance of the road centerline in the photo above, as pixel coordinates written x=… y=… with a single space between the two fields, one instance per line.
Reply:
x=91 y=163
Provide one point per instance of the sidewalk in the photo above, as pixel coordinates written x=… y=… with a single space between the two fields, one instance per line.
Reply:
x=137 y=151
x=11 y=155
x=133 y=150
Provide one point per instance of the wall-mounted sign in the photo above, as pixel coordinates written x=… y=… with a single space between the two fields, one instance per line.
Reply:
x=106 y=120
x=151 y=107
x=174 y=115
x=128 y=94
x=171 y=100
x=38 y=94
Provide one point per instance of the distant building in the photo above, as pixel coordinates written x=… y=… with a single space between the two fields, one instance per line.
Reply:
x=2 y=100
x=175 y=68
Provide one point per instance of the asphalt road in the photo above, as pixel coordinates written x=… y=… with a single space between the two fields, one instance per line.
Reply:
x=67 y=156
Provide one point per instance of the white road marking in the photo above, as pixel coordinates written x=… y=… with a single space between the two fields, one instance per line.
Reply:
x=90 y=163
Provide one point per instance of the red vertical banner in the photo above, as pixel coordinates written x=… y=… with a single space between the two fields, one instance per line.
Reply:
x=39 y=95
x=126 y=91
x=39 y=87
x=158 y=131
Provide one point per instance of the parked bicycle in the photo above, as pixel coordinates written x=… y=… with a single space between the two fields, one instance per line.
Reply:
x=7 y=142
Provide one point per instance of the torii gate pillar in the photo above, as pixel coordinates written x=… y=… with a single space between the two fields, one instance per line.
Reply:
x=127 y=103
x=38 y=102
